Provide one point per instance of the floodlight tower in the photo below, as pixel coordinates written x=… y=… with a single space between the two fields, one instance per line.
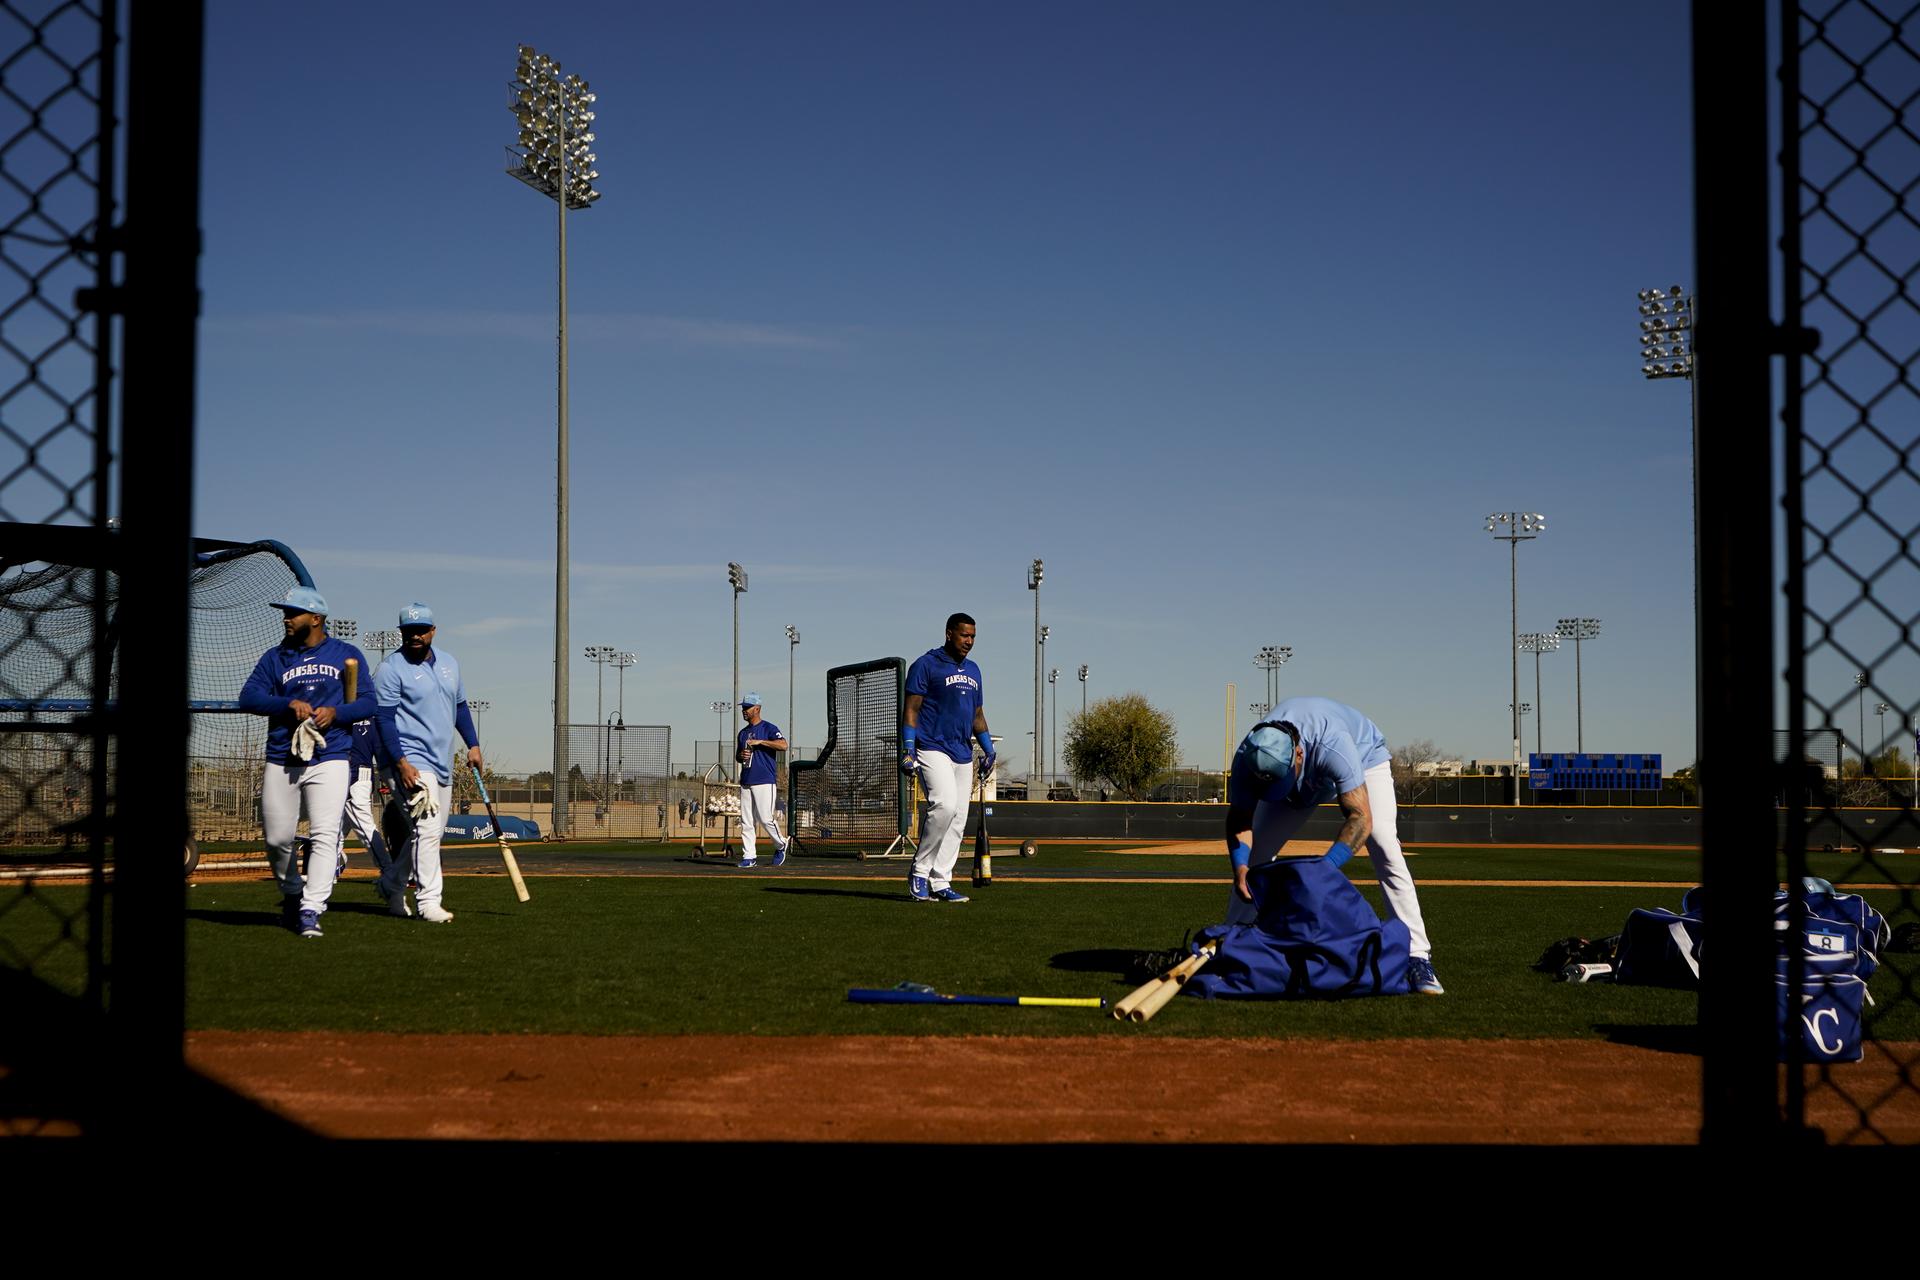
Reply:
x=343 y=628
x=554 y=116
x=1880 y=709
x=1036 y=572
x=1576 y=630
x=385 y=641
x=1053 y=739
x=1270 y=659
x=737 y=579
x=1860 y=700
x=1083 y=691
x=1667 y=319
x=719 y=709
x=1521 y=526
x=1537 y=643
x=793 y=642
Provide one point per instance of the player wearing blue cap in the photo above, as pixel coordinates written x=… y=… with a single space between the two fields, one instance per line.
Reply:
x=298 y=686
x=423 y=703
x=1307 y=752
x=757 y=744
x=944 y=717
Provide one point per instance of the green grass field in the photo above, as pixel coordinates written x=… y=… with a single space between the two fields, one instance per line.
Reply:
x=681 y=949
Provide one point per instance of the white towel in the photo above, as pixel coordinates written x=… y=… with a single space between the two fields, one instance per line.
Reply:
x=307 y=740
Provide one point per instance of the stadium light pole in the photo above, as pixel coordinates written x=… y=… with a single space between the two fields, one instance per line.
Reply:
x=720 y=709
x=1537 y=643
x=386 y=641
x=621 y=661
x=343 y=629
x=554 y=118
x=1667 y=351
x=1258 y=710
x=1880 y=709
x=793 y=642
x=1045 y=634
x=479 y=707
x=1270 y=659
x=1036 y=572
x=1083 y=691
x=1053 y=739
x=1521 y=526
x=1860 y=700
x=600 y=655
x=1576 y=630
x=737 y=579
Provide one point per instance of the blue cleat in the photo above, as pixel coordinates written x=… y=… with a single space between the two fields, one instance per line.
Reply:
x=1421 y=980
x=950 y=895
x=917 y=889
x=747 y=864
x=310 y=925
x=780 y=856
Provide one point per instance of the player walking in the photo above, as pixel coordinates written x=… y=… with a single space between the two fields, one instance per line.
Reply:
x=944 y=708
x=298 y=686
x=423 y=702
x=365 y=763
x=757 y=744
x=1307 y=752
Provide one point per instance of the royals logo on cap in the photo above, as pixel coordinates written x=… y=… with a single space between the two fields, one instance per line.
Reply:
x=416 y=615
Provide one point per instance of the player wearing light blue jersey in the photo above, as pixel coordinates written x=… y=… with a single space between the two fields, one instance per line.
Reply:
x=945 y=715
x=298 y=686
x=423 y=703
x=757 y=745
x=1306 y=753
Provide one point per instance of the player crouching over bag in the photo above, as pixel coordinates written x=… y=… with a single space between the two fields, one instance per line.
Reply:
x=1314 y=935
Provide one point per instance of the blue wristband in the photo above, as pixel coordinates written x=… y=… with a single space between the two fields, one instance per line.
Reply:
x=912 y=738
x=985 y=740
x=1339 y=854
x=1241 y=855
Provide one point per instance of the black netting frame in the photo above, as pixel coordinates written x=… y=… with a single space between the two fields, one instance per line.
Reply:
x=852 y=798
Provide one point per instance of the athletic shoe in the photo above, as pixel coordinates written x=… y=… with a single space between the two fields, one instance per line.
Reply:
x=1421 y=979
x=290 y=910
x=434 y=913
x=780 y=856
x=747 y=864
x=950 y=895
x=396 y=901
x=917 y=889
x=310 y=925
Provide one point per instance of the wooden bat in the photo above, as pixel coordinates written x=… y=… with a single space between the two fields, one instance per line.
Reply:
x=982 y=845
x=895 y=995
x=1149 y=998
x=500 y=838
x=352 y=679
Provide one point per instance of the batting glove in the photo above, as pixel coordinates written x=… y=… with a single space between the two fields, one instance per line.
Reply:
x=909 y=763
x=422 y=804
x=986 y=766
x=307 y=739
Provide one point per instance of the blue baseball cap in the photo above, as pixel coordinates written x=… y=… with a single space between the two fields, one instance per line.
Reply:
x=416 y=615
x=305 y=599
x=1269 y=752
x=749 y=700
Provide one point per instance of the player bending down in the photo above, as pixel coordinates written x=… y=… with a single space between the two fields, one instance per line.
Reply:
x=1307 y=752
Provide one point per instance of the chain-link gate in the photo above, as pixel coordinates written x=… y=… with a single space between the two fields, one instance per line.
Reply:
x=1851 y=489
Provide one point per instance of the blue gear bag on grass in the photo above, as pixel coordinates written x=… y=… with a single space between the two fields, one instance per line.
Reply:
x=1315 y=936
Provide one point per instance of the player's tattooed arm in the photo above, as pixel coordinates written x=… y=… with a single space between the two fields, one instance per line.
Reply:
x=1359 y=823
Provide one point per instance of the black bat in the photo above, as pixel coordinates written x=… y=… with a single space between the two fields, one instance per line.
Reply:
x=982 y=845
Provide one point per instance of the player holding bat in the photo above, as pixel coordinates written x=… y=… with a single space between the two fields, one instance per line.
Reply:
x=423 y=702
x=300 y=685
x=944 y=717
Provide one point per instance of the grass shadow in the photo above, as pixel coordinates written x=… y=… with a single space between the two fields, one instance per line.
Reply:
x=840 y=893
x=1112 y=960
x=1666 y=1038
x=243 y=919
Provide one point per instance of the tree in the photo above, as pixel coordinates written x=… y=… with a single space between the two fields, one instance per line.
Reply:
x=1124 y=743
x=1407 y=780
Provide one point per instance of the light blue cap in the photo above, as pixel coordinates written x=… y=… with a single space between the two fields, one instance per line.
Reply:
x=1814 y=884
x=1269 y=750
x=416 y=615
x=749 y=700
x=305 y=599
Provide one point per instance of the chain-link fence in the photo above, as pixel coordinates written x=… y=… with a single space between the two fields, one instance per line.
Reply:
x=1852 y=485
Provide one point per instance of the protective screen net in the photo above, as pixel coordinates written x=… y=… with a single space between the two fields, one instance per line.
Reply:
x=618 y=780
x=854 y=793
x=45 y=641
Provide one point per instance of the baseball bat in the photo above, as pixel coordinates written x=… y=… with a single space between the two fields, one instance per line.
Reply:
x=352 y=679
x=1150 y=997
x=500 y=838
x=893 y=995
x=982 y=844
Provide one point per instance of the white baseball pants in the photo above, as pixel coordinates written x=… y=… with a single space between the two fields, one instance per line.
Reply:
x=317 y=792
x=756 y=806
x=421 y=858
x=365 y=823
x=948 y=786
x=1275 y=824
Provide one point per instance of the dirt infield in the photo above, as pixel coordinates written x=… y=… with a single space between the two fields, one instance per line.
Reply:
x=980 y=1089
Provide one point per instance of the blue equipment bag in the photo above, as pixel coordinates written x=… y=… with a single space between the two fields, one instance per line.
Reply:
x=1314 y=936
x=1829 y=1023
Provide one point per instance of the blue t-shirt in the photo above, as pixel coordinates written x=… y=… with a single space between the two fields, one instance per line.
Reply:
x=762 y=767
x=1341 y=745
x=286 y=674
x=953 y=693
x=424 y=696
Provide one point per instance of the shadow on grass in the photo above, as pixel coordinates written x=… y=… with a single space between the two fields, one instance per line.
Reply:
x=242 y=919
x=1682 y=1039
x=844 y=893
x=1096 y=960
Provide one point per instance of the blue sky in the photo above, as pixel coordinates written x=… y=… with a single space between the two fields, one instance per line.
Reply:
x=1241 y=316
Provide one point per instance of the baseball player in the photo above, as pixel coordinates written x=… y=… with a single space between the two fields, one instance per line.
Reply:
x=757 y=742
x=1307 y=752
x=944 y=708
x=365 y=763
x=423 y=702
x=297 y=685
